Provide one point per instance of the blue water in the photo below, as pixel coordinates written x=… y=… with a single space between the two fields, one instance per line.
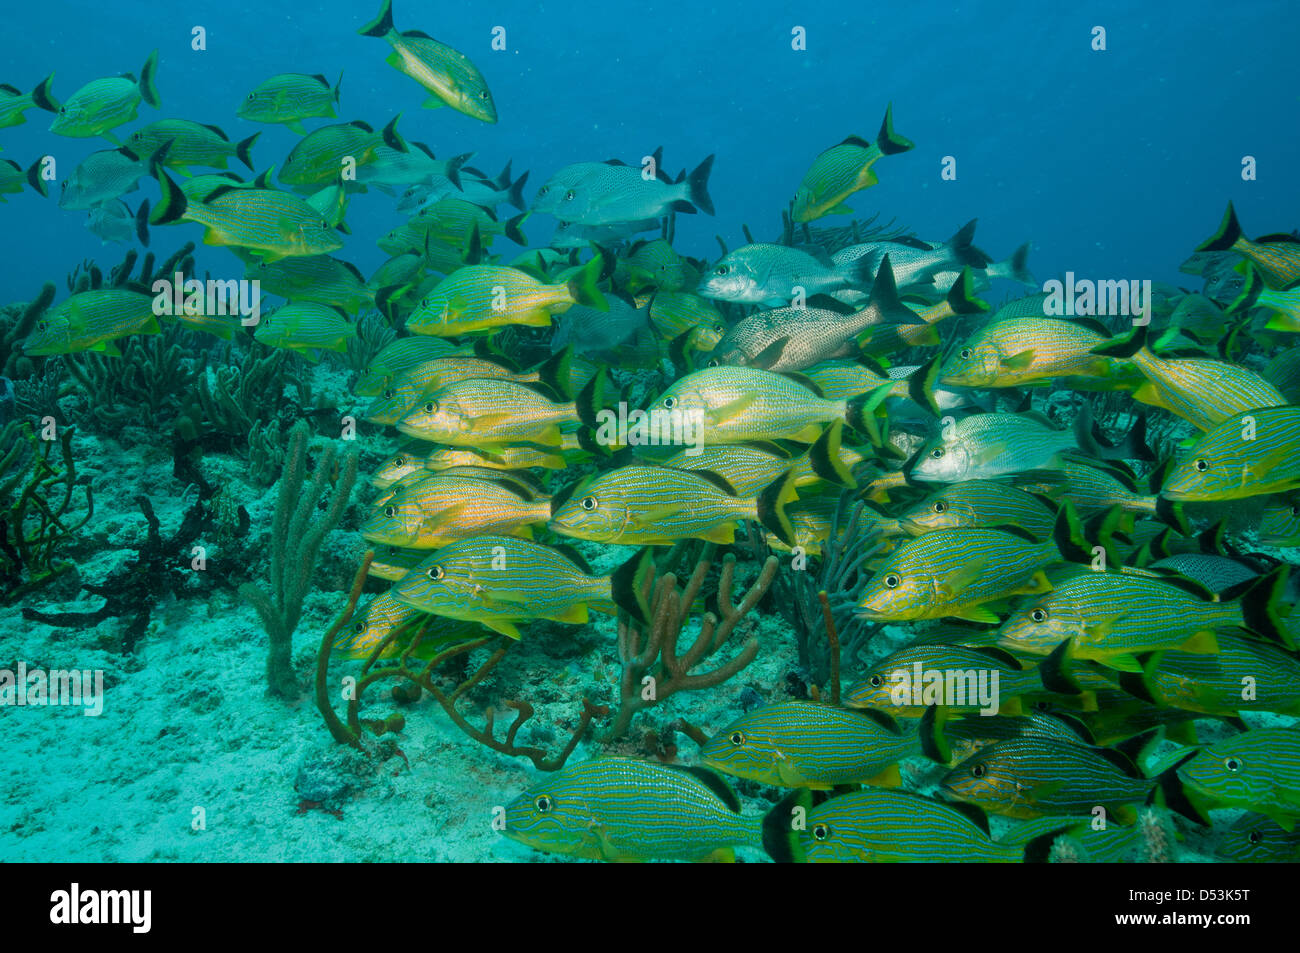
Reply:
x=1112 y=163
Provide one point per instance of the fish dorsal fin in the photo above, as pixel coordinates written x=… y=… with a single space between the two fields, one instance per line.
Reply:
x=1188 y=585
x=1000 y=655
x=362 y=125
x=717 y=480
x=9 y=89
x=565 y=494
x=775 y=450
x=321 y=79
x=574 y=557
x=1014 y=530
x=216 y=129
x=883 y=719
x=1120 y=760
x=803 y=381
x=714 y=783
x=219 y=191
x=424 y=147
x=971 y=813
x=416 y=35
x=857 y=141
x=354 y=269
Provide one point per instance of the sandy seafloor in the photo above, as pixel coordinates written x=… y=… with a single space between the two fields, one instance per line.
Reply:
x=187 y=721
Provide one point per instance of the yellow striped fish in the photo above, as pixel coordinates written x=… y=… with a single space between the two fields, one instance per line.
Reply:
x=620 y=809
x=306 y=328
x=191 y=143
x=430 y=511
x=488 y=413
x=396 y=357
x=1013 y=352
x=1258 y=770
x=982 y=504
x=657 y=506
x=1249 y=454
x=799 y=744
x=317 y=158
x=1277 y=257
x=1202 y=391
x=485 y=297
x=289 y=98
x=14 y=103
x=104 y=104
x=319 y=278
x=445 y=72
x=844 y=169
x=499 y=581
x=91 y=321
x=267 y=222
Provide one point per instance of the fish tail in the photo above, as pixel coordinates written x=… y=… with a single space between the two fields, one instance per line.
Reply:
x=1018 y=266
x=515 y=196
x=679 y=349
x=43 y=97
x=591 y=398
x=963 y=251
x=1124 y=346
x=1138 y=684
x=771 y=505
x=930 y=733
x=1170 y=792
x=629 y=582
x=172 y=205
x=34 y=178
x=1171 y=514
x=243 y=150
x=824 y=457
x=1089 y=438
x=515 y=232
x=338 y=88
x=961 y=296
x=860 y=413
x=1069 y=536
x=1261 y=602
x=697 y=186
x=583 y=287
x=1055 y=670
x=556 y=372
x=142 y=223
x=921 y=383
x=381 y=25
x=1227 y=235
x=889 y=142
x=1250 y=291
x=392 y=138
x=884 y=300
x=148 y=89
x=781 y=833
x=454 y=166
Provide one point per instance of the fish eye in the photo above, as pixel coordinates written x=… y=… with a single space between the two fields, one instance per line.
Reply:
x=1254 y=837
x=589 y=503
x=719 y=327
x=390 y=511
x=821 y=832
x=1043 y=705
x=388 y=394
x=431 y=407
x=249 y=97
x=1201 y=465
x=543 y=804
x=435 y=573
x=670 y=402
x=568 y=196
x=892 y=581
x=875 y=681
x=721 y=270
x=359 y=628
x=40 y=325
x=543 y=190
x=1039 y=615
x=1232 y=764
x=937 y=452
x=483 y=94
x=967 y=353
x=399 y=461
x=712 y=362
x=979 y=770
x=940 y=506
x=737 y=738
x=1295 y=509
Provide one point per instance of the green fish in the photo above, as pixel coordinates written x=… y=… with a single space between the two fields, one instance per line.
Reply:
x=104 y=104
x=844 y=169
x=952 y=573
x=980 y=504
x=100 y=177
x=499 y=581
x=92 y=321
x=1245 y=675
x=1112 y=617
x=799 y=744
x=1283 y=302
x=1279 y=524
x=318 y=158
x=191 y=143
x=654 y=265
x=394 y=358
x=332 y=203
x=316 y=278
x=748 y=468
x=739 y=404
x=898 y=686
x=13 y=177
x=393 y=562
x=479 y=413
x=306 y=328
x=1276 y=257
x=266 y=222
x=1258 y=770
x=14 y=103
x=1250 y=454
x=429 y=510
x=446 y=73
x=384 y=615
x=656 y=506
x=1019 y=351
x=876 y=826
x=675 y=313
x=1202 y=391
x=486 y=297
x=1257 y=838
x=289 y=98
x=621 y=809
x=509 y=457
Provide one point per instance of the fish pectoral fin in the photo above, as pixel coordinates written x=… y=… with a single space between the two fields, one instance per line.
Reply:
x=433 y=102
x=723 y=855
x=976 y=614
x=1038 y=582
x=107 y=348
x=1020 y=361
x=889 y=778
x=1204 y=642
x=295 y=125
x=970 y=571
x=731 y=410
x=501 y=625
x=1123 y=663
x=574 y=615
